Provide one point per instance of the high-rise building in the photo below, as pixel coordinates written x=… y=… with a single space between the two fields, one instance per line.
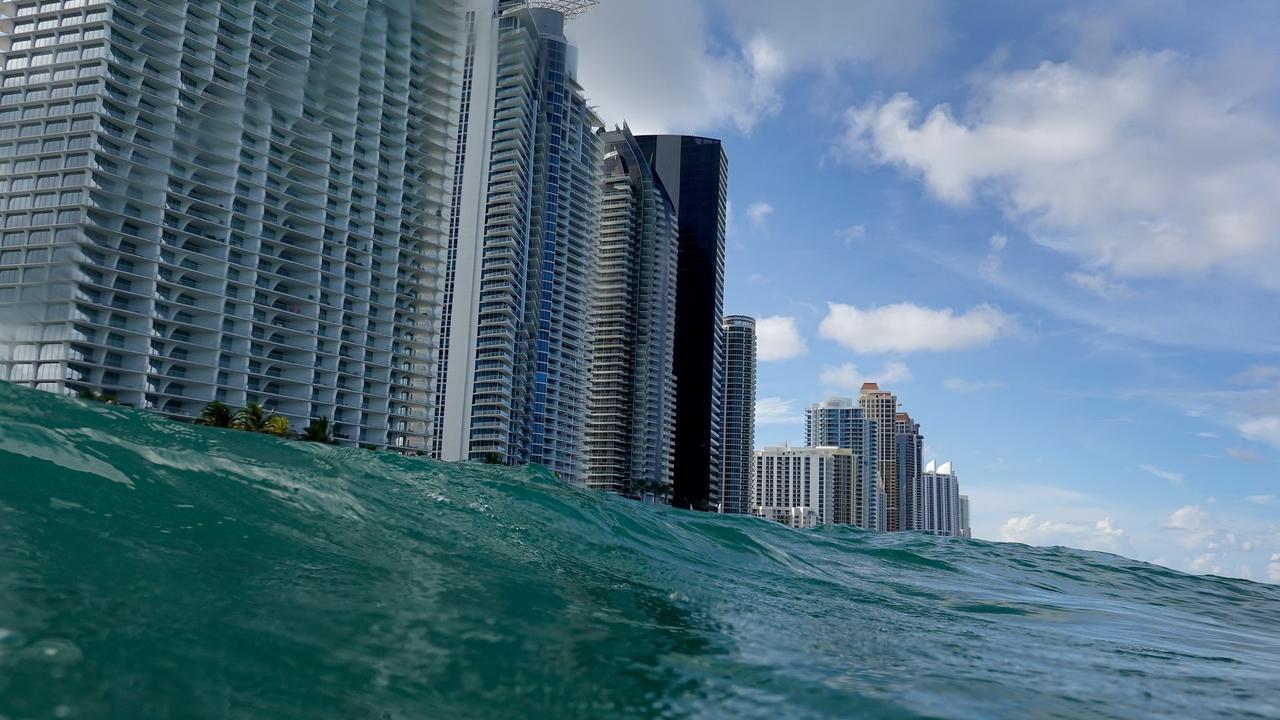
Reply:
x=940 y=500
x=695 y=172
x=965 y=530
x=910 y=445
x=739 y=412
x=788 y=481
x=838 y=422
x=514 y=366
x=631 y=422
x=211 y=201
x=881 y=407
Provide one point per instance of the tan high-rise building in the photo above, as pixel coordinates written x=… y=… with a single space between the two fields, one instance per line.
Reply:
x=881 y=407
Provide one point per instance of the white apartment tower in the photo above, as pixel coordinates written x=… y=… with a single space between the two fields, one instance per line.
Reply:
x=940 y=500
x=788 y=481
x=632 y=413
x=229 y=200
x=965 y=530
x=739 y=407
x=839 y=422
x=514 y=363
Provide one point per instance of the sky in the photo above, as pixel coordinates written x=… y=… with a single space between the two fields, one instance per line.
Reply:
x=1051 y=228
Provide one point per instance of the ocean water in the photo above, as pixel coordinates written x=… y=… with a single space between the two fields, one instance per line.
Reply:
x=157 y=570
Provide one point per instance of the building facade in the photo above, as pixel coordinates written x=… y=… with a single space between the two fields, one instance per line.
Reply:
x=787 y=480
x=514 y=369
x=794 y=517
x=205 y=202
x=881 y=407
x=940 y=500
x=630 y=432
x=739 y=412
x=965 y=530
x=910 y=445
x=838 y=422
x=695 y=172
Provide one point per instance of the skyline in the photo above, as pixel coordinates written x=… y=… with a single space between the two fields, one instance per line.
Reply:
x=913 y=171
x=1046 y=235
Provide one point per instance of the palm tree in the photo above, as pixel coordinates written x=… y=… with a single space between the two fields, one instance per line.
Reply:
x=215 y=414
x=252 y=418
x=276 y=425
x=317 y=431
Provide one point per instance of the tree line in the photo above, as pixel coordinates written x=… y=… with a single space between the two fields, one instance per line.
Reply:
x=254 y=418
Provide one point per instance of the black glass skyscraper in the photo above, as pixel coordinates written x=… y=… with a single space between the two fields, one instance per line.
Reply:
x=695 y=172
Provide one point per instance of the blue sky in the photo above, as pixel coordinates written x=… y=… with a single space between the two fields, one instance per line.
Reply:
x=1050 y=228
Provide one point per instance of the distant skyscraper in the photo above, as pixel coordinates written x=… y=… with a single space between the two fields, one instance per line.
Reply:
x=965 y=530
x=695 y=172
x=229 y=201
x=940 y=500
x=882 y=407
x=786 y=481
x=514 y=367
x=910 y=444
x=631 y=421
x=838 y=422
x=739 y=412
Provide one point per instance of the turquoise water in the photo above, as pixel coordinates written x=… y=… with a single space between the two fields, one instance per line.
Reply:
x=156 y=570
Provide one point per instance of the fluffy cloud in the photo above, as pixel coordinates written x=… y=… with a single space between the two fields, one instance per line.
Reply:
x=1243 y=454
x=1189 y=517
x=910 y=328
x=731 y=78
x=964 y=387
x=1264 y=428
x=1256 y=375
x=1168 y=476
x=1030 y=529
x=777 y=411
x=1099 y=284
x=1140 y=167
x=849 y=377
x=852 y=234
x=758 y=213
x=778 y=338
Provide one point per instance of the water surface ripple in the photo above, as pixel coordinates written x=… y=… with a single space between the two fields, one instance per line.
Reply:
x=156 y=570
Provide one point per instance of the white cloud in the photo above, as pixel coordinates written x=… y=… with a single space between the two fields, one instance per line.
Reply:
x=1262 y=499
x=849 y=377
x=1188 y=517
x=1264 y=428
x=1166 y=475
x=1207 y=434
x=778 y=338
x=1243 y=454
x=1099 y=284
x=1139 y=167
x=732 y=77
x=1256 y=375
x=758 y=213
x=964 y=387
x=990 y=266
x=777 y=411
x=1030 y=529
x=852 y=234
x=910 y=328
